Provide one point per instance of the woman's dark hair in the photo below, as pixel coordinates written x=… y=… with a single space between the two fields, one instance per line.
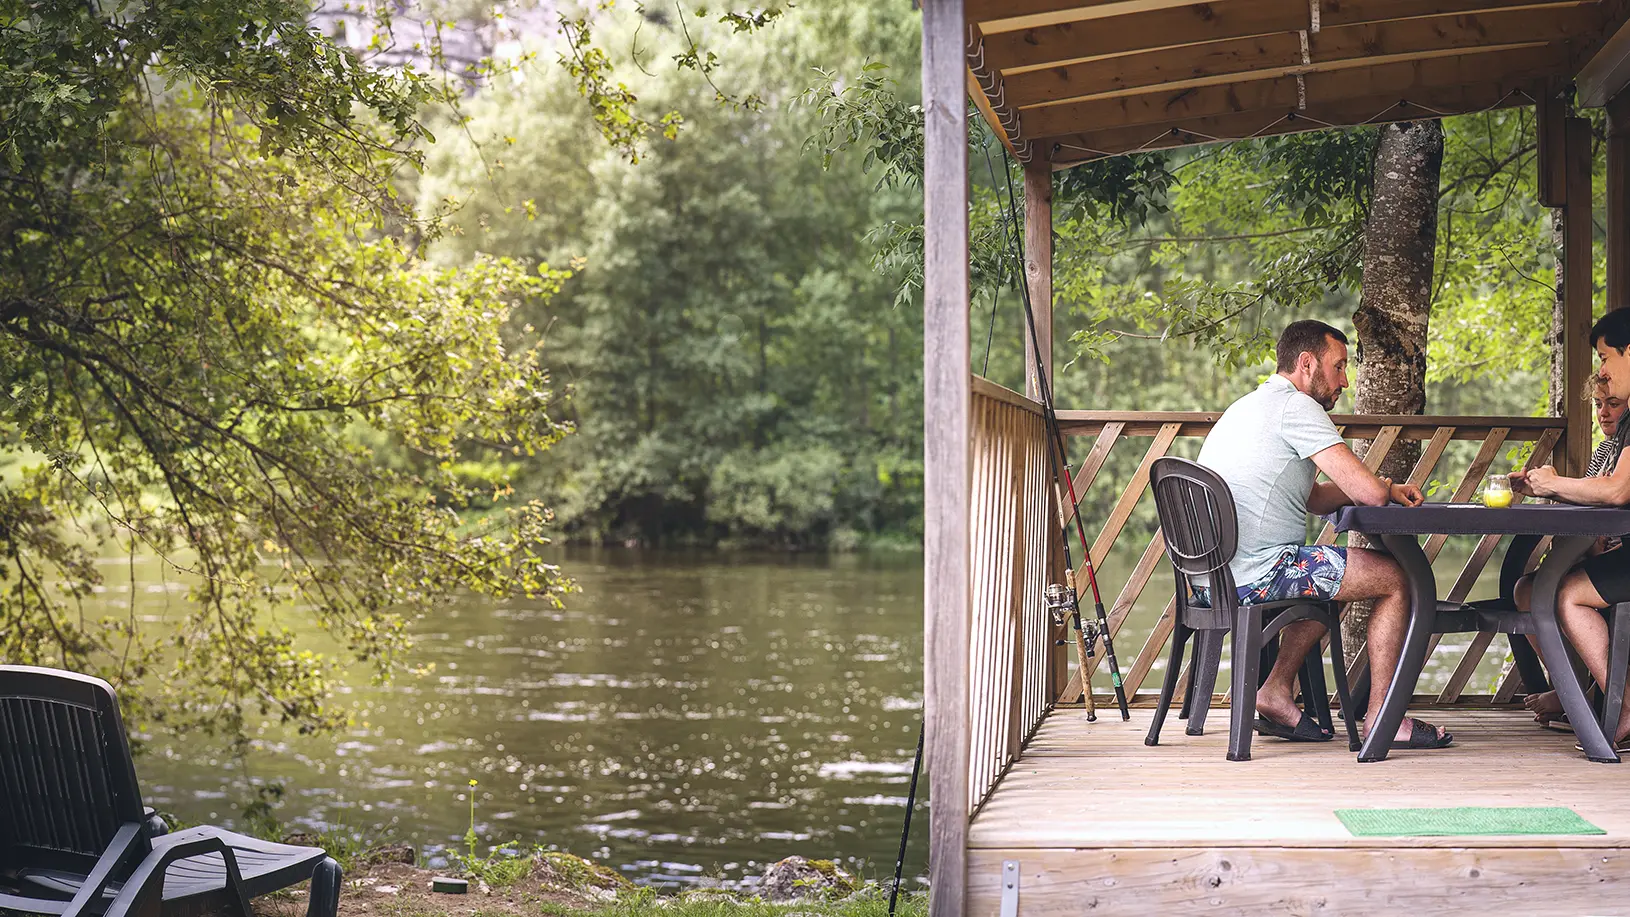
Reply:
x=1305 y=336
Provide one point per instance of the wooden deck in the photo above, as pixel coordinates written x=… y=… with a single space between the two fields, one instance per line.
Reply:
x=1099 y=823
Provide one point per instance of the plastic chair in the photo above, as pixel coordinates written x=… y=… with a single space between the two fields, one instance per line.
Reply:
x=1512 y=569
x=1201 y=529
x=76 y=840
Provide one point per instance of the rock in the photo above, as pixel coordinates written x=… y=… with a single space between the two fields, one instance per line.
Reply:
x=796 y=877
x=390 y=853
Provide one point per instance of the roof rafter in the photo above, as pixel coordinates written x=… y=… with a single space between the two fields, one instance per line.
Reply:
x=1379 y=109
x=1278 y=92
x=1285 y=51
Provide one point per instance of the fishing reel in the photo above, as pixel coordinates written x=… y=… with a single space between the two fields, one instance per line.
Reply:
x=1061 y=603
x=1064 y=606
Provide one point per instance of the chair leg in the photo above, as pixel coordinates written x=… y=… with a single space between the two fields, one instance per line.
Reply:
x=1338 y=663
x=1200 y=637
x=324 y=900
x=1247 y=660
x=1205 y=666
x=1618 y=660
x=1315 y=696
x=1168 y=686
x=1528 y=665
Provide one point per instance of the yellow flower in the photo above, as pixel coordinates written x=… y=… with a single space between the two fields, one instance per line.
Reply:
x=472 y=783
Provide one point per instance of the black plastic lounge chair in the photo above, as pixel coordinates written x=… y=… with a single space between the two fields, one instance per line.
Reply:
x=1198 y=519
x=76 y=840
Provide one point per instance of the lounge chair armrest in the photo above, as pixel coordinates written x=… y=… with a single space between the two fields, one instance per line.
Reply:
x=149 y=875
x=126 y=845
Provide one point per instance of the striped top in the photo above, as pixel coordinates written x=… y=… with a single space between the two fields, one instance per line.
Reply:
x=1606 y=456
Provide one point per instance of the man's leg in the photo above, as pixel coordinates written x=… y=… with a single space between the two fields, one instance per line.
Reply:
x=1375 y=575
x=1276 y=699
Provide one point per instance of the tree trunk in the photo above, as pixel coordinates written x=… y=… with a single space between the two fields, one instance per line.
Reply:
x=1559 y=316
x=1400 y=242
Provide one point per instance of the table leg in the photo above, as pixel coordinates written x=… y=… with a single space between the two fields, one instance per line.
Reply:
x=1423 y=613
x=1565 y=552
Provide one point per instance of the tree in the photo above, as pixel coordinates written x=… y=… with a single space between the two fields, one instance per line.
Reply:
x=738 y=372
x=1400 y=240
x=205 y=338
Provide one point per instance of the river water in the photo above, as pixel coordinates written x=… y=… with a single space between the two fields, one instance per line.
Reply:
x=687 y=717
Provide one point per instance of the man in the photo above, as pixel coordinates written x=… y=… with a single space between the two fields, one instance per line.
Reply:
x=1603 y=579
x=1270 y=446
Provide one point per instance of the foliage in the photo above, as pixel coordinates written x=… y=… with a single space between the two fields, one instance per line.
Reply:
x=204 y=337
x=736 y=370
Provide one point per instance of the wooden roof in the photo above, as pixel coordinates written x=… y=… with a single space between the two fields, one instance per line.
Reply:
x=1068 y=81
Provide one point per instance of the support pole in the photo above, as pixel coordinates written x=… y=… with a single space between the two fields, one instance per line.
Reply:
x=1618 y=202
x=947 y=484
x=1038 y=271
x=1577 y=295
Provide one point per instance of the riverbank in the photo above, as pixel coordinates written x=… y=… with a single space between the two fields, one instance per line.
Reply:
x=379 y=883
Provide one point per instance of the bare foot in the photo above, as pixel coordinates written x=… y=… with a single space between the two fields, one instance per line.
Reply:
x=1545 y=706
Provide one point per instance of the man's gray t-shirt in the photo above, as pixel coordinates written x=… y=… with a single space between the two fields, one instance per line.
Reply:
x=1263 y=446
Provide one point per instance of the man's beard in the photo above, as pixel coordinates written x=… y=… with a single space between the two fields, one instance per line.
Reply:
x=1326 y=397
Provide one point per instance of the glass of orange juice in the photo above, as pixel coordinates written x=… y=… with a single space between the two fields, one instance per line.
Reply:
x=1497 y=491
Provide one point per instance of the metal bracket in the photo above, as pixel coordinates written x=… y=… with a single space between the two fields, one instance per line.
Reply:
x=1010 y=888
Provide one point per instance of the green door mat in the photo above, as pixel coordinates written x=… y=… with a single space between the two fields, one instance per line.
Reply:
x=1467 y=820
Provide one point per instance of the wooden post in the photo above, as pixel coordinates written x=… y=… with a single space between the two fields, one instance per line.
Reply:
x=1578 y=295
x=1038 y=271
x=1618 y=202
x=1551 y=112
x=947 y=393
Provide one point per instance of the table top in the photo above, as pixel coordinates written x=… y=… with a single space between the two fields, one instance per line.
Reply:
x=1476 y=519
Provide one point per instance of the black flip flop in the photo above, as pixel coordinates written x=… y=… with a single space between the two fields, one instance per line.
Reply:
x=1307 y=730
x=1425 y=735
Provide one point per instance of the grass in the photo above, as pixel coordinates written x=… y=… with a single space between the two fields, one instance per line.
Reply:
x=872 y=901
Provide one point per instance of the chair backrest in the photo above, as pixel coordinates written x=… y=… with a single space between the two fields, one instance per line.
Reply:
x=67 y=781
x=1198 y=520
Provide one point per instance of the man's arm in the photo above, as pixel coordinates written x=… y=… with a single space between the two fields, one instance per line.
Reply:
x=1355 y=483
x=1607 y=490
x=1326 y=498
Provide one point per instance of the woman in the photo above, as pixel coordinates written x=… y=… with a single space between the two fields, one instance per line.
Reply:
x=1547 y=707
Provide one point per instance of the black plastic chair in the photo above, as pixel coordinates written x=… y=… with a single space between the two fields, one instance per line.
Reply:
x=76 y=840
x=1517 y=555
x=1201 y=528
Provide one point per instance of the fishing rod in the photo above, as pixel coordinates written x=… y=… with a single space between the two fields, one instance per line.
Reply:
x=911 y=803
x=1065 y=598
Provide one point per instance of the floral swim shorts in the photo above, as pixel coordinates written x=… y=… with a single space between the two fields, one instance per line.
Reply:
x=1311 y=572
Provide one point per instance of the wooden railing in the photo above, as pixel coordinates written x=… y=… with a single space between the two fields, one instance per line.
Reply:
x=1017 y=670
x=1013 y=678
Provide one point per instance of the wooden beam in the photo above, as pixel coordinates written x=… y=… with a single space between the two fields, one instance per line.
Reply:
x=1605 y=70
x=1281 y=53
x=947 y=488
x=1578 y=294
x=1038 y=272
x=1069 y=41
x=1081 y=37
x=1551 y=110
x=1419 y=427
x=1008 y=15
x=1618 y=202
x=1401 y=79
x=1066 y=151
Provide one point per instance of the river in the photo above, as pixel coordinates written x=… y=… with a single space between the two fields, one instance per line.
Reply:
x=688 y=716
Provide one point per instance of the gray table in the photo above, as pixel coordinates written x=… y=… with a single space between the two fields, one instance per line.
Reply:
x=1573 y=530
